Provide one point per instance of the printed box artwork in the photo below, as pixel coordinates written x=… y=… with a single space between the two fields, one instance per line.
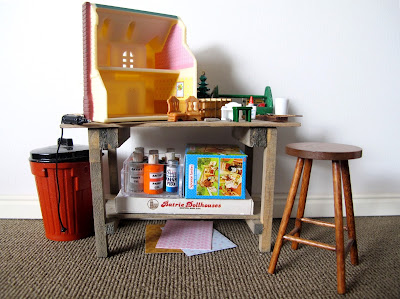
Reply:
x=215 y=172
x=159 y=205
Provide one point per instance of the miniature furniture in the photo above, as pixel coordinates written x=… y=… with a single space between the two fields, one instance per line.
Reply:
x=192 y=111
x=246 y=110
x=109 y=136
x=174 y=114
x=211 y=107
x=266 y=99
x=339 y=154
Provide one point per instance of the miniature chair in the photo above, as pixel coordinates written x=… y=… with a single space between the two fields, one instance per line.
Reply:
x=339 y=154
x=246 y=112
x=174 y=114
x=192 y=109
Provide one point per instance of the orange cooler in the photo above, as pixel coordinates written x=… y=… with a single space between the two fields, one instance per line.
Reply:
x=75 y=209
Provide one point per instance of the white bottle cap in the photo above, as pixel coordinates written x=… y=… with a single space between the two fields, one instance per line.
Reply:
x=137 y=157
x=170 y=156
x=153 y=159
x=139 y=149
x=153 y=151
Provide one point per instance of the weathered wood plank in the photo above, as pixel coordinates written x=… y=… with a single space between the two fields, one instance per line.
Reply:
x=123 y=135
x=111 y=138
x=96 y=175
x=249 y=171
x=267 y=192
x=251 y=137
x=185 y=124
x=113 y=170
x=112 y=225
x=255 y=226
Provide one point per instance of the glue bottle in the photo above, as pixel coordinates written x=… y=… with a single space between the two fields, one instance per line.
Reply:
x=171 y=172
x=172 y=176
x=153 y=175
x=253 y=108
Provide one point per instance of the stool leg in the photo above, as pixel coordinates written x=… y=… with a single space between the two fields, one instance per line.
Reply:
x=286 y=215
x=302 y=199
x=337 y=193
x=349 y=211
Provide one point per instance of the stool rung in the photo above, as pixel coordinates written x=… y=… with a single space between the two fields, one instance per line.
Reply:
x=310 y=242
x=293 y=231
x=319 y=222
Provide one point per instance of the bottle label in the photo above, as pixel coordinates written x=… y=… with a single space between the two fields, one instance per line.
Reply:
x=136 y=175
x=136 y=178
x=171 y=181
x=156 y=175
x=156 y=185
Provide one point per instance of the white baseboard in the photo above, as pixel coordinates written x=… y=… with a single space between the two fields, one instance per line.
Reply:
x=364 y=205
x=27 y=207
x=19 y=207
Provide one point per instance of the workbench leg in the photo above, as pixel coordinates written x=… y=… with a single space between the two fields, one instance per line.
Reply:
x=255 y=225
x=268 y=188
x=249 y=171
x=96 y=175
x=113 y=171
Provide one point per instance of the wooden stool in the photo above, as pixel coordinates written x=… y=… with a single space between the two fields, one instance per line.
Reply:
x=339 y=154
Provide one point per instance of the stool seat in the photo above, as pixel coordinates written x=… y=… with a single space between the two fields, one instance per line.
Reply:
x=339 y=154
x=323 y=151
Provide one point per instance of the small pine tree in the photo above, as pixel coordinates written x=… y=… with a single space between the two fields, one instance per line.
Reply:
x=202 y=89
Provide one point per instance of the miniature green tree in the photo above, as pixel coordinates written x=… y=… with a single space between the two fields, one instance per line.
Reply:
x=202 y=89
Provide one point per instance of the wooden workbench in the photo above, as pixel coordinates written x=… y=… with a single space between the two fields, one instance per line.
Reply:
x=109 y=136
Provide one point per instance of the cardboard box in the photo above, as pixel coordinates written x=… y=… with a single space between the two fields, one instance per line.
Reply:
x=158 y=205
x=215 y=172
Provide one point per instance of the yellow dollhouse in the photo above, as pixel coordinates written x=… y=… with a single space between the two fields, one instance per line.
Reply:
x=134 y=61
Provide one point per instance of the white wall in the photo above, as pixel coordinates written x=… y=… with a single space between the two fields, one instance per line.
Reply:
x=337 y=61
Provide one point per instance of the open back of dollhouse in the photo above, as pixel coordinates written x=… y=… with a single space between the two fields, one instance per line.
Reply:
x=133 y=62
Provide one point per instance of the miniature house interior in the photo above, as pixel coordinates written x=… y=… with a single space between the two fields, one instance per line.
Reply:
x=134 y=61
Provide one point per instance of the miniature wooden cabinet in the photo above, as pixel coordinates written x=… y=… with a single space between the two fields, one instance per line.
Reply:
x=109 y=137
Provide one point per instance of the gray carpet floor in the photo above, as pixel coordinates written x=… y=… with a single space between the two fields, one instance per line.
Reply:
x=35 y=267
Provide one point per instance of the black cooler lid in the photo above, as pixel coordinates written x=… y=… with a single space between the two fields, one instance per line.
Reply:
x=70 y=153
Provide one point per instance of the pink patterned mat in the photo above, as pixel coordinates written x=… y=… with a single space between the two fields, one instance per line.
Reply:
x=186 y=234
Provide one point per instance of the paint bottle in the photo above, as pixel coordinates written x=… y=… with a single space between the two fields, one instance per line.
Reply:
x=170 y=154
x=153 y=175
x=135 y=183
x=253 y=108
x=172 y=176
x=140 y=150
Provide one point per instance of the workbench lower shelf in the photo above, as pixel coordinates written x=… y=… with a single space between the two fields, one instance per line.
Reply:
x=112 y=213
x=253 y=221
x=147 y=204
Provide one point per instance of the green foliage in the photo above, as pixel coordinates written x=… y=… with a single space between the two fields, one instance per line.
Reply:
x=202 y=89
x=201 y=162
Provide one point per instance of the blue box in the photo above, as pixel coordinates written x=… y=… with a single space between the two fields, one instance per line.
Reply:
x=215 y=172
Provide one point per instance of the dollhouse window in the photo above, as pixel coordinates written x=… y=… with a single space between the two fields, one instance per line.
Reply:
x=127 y=59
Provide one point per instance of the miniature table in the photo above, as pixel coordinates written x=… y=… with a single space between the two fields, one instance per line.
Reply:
x=109 y=136
x=246 y=110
